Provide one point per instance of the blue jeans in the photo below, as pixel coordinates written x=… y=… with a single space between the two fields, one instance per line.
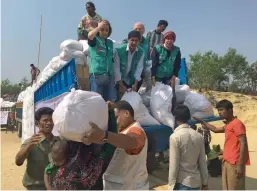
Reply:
x=108 y=91
x=179 y=186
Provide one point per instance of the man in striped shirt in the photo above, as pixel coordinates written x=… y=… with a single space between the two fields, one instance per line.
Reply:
x=155 y=37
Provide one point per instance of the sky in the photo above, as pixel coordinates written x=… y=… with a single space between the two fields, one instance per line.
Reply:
x=200 y=25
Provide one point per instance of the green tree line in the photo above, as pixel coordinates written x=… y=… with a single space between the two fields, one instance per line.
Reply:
x=229 y=72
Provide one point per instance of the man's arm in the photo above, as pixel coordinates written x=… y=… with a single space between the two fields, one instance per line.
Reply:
x=25 y=149
x=38 y=71
x=177 y=64
x=203 y=165
x=209 y=126
x=47 y=183
x=243 y=149
x=155 y=61
x=116 y=59
x=173 y=163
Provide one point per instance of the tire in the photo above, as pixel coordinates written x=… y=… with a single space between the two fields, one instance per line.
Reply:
x=19 y=129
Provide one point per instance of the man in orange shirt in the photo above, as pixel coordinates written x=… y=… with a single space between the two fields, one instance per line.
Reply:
x=235 y=154
x=127 y=169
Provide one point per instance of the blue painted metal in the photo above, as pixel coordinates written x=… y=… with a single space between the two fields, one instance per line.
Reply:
x=183 y=72
x=161 y=133
x=18 y=114
x=62 y=81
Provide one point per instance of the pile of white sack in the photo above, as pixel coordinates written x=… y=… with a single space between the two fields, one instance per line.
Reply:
x=159 y=102
x=77 y=109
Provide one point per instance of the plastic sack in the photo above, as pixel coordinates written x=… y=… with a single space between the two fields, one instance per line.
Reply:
x=198 y=105
x=78 y=108
x=84 y=45
x=181 y=92
x=71 y=44
x=161 y=104
x=142 y=114
x=21 y=96
x=28 y=115
x=67 y=55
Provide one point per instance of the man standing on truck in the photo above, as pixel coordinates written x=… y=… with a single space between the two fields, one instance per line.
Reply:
x=166 y=59
x=144 y=44
x=129 y=64
x=235 y=154
x=127 y=169
x=34 y=73
x=89 y=21
x=188 y=167
x=36 y=150
x=155 y=37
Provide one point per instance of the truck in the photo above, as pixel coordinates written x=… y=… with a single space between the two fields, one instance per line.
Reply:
x=66 y=78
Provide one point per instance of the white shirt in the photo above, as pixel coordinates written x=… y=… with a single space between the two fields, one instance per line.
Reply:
x=187 y=158
x=138 y=71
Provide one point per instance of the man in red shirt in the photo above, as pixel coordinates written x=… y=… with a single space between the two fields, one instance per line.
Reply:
x=235 y=154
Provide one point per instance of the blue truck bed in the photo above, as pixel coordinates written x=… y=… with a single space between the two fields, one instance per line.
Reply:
x=66 y=78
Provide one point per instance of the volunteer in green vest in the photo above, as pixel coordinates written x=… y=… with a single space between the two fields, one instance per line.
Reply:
x=129 y=63
x=101 y=61
x=166 y=60
x=146 y=74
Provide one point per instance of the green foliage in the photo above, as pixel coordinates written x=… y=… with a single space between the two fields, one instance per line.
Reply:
x=13 y=89
x=230 y=71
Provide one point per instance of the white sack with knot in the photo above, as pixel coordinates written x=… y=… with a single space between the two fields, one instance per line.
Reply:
x=74 y=113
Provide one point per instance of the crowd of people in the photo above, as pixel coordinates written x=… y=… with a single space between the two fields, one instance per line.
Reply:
x=116 y=159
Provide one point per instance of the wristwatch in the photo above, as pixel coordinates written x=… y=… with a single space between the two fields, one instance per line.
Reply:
x=105 y=139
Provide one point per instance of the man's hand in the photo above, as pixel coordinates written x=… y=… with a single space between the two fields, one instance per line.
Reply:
x=110 y=105
x=240 y=170
x=122 y=88
x=134 y=88
x=197 y=119
x=34 y=140
x=204 y=187
x=94 y=136
x=102 y=23
x=173 y=82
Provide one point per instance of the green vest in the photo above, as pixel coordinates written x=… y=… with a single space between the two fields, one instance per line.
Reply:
x=166 y=64
x=101 y=57
x=123 y=55
x=144 y=46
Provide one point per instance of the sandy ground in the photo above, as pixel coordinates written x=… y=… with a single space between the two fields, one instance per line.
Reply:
x=245 y=109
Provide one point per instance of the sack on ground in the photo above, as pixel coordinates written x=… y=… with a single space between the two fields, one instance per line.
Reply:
x=198 y=105
x=161 y=104
x=142 y=114
x=71 y=44
x=78 y=108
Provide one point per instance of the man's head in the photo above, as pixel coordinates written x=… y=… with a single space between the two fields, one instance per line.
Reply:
x=32 y=65
x=225 y=109
x=140 y=28
x=59 y=152
x=106 y=31
x=124 y=114
x=182 y=114
x=134 y=38
x=90 y=7
x=44 y=121
x=169 y=39
x=162 y=25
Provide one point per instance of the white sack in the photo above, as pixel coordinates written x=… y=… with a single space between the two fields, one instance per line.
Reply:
x=84 y=45
x=78 y=108
x=181 y=91
x=146 y=97
x=198 y=105
x=142 y=114
x=69 y=54
x=161 y=104
x=71 y=44
x=28 y=114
